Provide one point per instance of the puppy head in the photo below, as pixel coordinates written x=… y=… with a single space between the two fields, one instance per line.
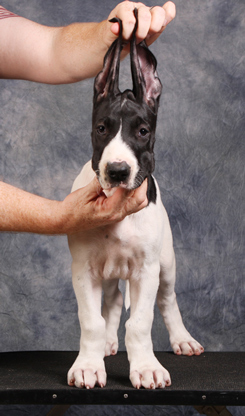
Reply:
x=124 y=123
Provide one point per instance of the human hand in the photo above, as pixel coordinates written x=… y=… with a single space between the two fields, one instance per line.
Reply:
x=89 y=208
x=151 y=21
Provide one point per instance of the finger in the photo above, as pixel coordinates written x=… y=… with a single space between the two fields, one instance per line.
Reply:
x=115 y=205
x=151 y=21
x=123 y=202
x=129 y=202
x=144 y=23
x=160 y=19
x=124 y=11
x=115 y=28
x=92 y=190
x=170 y=12
x=138 y=200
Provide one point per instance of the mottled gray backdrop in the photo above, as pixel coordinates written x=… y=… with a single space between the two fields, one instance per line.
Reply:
x=200 y=154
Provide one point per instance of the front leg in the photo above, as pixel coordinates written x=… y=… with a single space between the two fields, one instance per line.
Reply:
x=88 y=369
x=112 y=308
x=145 y=369
x=181 y=340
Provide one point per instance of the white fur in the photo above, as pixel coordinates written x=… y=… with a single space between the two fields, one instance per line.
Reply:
x=117 y=151
x=138 y=249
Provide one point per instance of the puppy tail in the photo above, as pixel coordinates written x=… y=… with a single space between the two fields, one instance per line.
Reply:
x=127 y=296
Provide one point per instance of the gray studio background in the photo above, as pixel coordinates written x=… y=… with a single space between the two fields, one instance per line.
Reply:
x=200 y=153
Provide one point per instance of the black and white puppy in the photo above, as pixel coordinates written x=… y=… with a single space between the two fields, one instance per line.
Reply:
x=138 y=249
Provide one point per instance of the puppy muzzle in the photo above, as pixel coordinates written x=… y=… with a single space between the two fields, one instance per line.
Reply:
x=118 y=173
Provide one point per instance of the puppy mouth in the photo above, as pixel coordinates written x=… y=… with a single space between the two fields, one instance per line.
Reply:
x=116 y=175
x=108 y=185
x=119 y=185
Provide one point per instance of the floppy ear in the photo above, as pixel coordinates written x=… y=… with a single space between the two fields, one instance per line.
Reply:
x=106 y=82
x=146 y=84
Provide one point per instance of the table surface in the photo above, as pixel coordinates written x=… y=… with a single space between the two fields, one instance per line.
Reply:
x=39 y=377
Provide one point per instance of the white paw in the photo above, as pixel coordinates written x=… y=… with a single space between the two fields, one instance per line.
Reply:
x=87 y=374
x=186 y=345
x=150 y=375
x=111 y=348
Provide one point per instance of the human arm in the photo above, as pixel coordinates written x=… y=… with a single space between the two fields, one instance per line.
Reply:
x=83 y=209
x=67 y=54
x=55 y=61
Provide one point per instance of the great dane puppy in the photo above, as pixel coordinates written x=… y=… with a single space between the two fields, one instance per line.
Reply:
x=138 y=249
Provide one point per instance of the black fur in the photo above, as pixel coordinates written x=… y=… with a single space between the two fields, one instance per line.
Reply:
x=151 y=190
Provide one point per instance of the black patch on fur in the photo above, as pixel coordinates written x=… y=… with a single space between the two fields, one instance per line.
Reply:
x=107 y=114
x=151 y=190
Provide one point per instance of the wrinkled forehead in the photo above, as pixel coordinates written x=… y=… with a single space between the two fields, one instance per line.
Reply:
x=107 y=107
x=124 y=110
x=136 y=114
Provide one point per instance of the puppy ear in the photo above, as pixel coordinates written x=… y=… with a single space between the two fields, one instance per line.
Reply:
x=146 y=84
x=106 y=82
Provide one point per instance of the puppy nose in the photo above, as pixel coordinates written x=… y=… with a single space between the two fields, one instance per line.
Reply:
x=118 y=171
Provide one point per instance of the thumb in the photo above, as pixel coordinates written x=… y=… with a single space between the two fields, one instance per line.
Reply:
x=125 y=202
x=111 y=32
x=93 y=189
x=115 y=29
x=118 y=199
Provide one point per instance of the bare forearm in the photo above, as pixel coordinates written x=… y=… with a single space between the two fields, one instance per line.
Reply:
x=79 y=49
x=83 y=209
x=21 y=211
x=59 y=55
x=63 y=55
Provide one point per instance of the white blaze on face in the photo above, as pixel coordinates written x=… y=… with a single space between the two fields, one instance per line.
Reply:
x=118 y=151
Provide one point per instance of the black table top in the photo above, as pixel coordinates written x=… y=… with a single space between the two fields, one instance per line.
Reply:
x=39 y=377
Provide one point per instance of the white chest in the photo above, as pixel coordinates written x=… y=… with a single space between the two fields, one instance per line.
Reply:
x=122 y=250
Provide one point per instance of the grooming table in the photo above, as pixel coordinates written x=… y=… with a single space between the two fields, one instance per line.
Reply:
x=208 y=382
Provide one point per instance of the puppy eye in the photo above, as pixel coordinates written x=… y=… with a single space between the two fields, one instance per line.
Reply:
x=143 y=132
x=101 y=129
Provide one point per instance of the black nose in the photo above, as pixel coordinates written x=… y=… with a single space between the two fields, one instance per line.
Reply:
x=118 y=172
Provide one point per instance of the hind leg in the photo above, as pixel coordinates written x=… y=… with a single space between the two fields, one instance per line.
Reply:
x=181 y=340
x=111 y=312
